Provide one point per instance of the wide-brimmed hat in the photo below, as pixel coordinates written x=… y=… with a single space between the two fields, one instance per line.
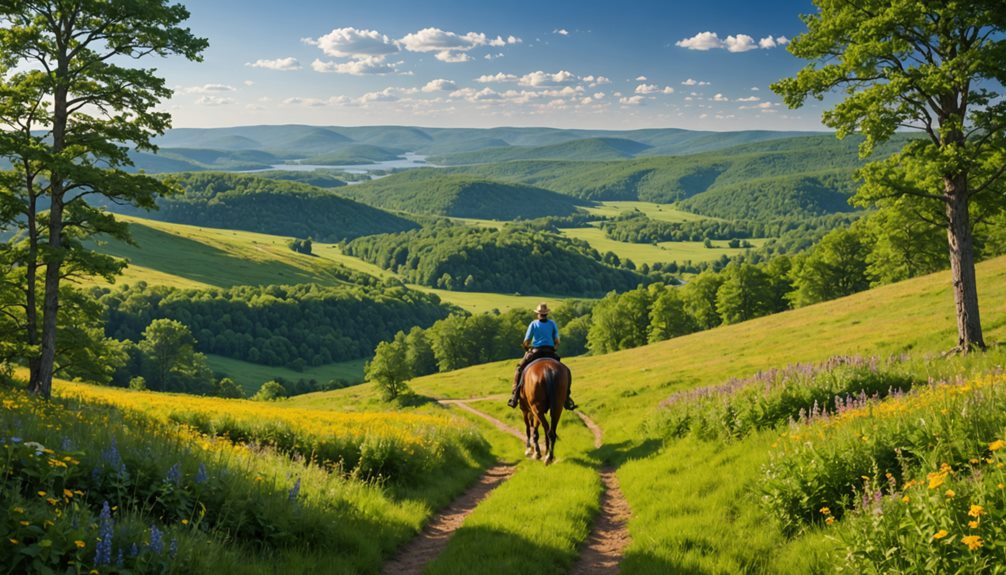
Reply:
x=542 y=309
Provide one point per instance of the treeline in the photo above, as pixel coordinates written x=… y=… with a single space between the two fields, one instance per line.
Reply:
x=265 y=205
x=636 y=227
x=292 y=326
x=463 y=258
x=462 y=340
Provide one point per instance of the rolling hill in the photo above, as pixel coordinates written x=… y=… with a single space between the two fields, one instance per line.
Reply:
x=431 y=191
x=249 y=203
x=588 y=149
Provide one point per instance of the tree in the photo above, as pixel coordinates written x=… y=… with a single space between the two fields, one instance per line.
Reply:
x=390 y=367
x=835 y=268
x=229 y=388
x=169 y=359
x=419 y=353
x=71 y=113
x=928 y=66
x=745 y=294
x=270 y=391
x=668 y=317
x=699 y=296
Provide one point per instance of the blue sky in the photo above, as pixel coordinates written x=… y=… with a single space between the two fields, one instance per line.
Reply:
x=609 y=65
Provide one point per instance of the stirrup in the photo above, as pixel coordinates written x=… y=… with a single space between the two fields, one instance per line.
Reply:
x=512 y=402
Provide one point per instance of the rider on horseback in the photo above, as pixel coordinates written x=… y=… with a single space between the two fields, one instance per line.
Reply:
x=541 y=339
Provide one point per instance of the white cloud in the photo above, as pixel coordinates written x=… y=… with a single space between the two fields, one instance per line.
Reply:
x=209 y=89
x=587 y=101
x=451 y=47
x=248 y=83
x=279 y=64
x=694 y=82
x=354 y=43
x=631 y=100
x=749 y=99
x=473 y=95
x=599 y=96
x=595 y=81
x=763 y=106
x=701 y=41
x=498 y=77
x=755 y=89
x=375 y=65
x=385 y=95
x=720 y=98
x=653 y=89
x=539 y=78
x=214 y=101
x=740 y=43
x=641 y=78
x=561 y=31
x=704 y=41
x=439 y=85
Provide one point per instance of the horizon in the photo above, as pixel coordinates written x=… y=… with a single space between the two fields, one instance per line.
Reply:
x=673 y=65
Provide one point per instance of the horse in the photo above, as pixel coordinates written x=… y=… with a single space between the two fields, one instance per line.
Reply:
x=543 y=393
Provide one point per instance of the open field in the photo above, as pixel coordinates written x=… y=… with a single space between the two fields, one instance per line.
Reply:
x=662 y=252
x=251 y=376
x=659 y=212
x=182 y=256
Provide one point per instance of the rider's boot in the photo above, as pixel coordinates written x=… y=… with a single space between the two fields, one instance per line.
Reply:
x=512 y=402
x=570 y=405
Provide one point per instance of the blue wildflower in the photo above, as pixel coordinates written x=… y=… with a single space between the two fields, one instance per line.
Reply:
x=103 y=548
x=134 y=551
x=295 y=490
x=173 y=548
x=174 y=474
x=201 y=475
x=67 y=444
x=14 y=439
x=156 y=543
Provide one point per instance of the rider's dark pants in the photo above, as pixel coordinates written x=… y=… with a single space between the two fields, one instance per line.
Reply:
x=531 y=355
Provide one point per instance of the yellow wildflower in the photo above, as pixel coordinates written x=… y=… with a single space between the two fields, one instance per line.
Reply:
x=24 y=523
x=973 y=524
x=19 y=510
x=80 y=544
x=950 y=494
x=13 y=541
x=976 y=511
x=936 y=480
x=67 y=493
x=825 y=511
x=997 y=445
x=940 y=534
x=829 y=520
x=972 y=541
x=185 y=521
x=42 y=493
x=906 y=499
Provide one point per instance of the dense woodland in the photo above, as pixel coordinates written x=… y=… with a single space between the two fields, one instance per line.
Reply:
x=508 y=261
x=258 y=204
x=294 y=326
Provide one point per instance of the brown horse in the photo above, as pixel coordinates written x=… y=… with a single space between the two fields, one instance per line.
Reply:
x=546 y=385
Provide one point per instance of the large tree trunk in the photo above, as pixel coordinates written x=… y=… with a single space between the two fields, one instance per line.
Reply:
x=962 y=264
x=31 y=277
x=50 y=304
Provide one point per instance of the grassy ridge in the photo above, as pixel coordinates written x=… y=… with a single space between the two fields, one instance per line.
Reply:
x=661 y=252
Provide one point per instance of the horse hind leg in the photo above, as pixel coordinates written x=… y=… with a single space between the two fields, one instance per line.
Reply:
x=528 y=450
x=537 y=450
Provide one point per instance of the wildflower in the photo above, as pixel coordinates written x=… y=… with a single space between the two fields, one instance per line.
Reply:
x=997 y=445
x=950 y=494
x=24 y=523
x=67 y=493
x=80 y=544
x=201 y=475
x=940 y=534
x=829 y=520
x=825 y=511
x=1001 y=486
x=906 y=499
x=13 y=541
x=295 y=490
x=156 y=544
x=972 y=541
x=936 y=480
x=103 y=550
x=973 y=524
x=185 y=521
x=173 y=548
x=174 y=474
x=42 y=493
x=976 y=511
x=19 y=510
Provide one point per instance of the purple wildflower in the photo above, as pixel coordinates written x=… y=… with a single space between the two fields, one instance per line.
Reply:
x=295 y=490
x=156 y=542
x=103 y=549
x=174 y=474
x=201 y=475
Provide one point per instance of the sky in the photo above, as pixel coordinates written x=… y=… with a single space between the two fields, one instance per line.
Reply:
x=591 y=64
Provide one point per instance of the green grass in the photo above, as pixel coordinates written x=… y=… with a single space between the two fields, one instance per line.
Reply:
x=251 y=376
x=662 y=252
x=695 y=504
x=659 y=212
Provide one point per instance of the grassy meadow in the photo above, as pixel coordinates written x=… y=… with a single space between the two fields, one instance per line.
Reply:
x=653 y=253
x=251 y=376
x=693 y=496
x=654 y=211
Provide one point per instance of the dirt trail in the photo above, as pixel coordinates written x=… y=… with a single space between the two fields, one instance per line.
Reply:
x=608 y=536
x=414 y=557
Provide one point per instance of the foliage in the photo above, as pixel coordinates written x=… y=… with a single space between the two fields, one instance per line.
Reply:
x=270 y=391
x=390 y=368
x=279 y=207
x=301 y=246
x=432 y=191
x=835 y=268
x=463 y=258
x=274 y=325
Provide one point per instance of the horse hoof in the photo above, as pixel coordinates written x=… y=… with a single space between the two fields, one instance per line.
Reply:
x=528 y=452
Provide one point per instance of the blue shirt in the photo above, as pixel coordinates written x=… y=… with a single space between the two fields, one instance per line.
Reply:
x=542 y=333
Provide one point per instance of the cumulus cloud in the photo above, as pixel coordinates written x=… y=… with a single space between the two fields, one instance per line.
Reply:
x=375 y=65
x=209 y=89
x=499 y=77
x=641 y=78
x=763 y=107
x=704 y=41
x=354 y=43
x=749 y=99
x=694 y=82
x=279 y=64
x=653 y=89
x=449 y=46
x=720 y=98
x=473 y=95
x=631 y=100
x=439 y=85
x=595 y=81
x=755 y=89
x=214 y=101
x=539 y=78
x=561 y=31
x=385 y=95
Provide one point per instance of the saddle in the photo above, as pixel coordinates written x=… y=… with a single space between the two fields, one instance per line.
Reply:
x=520 y=384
